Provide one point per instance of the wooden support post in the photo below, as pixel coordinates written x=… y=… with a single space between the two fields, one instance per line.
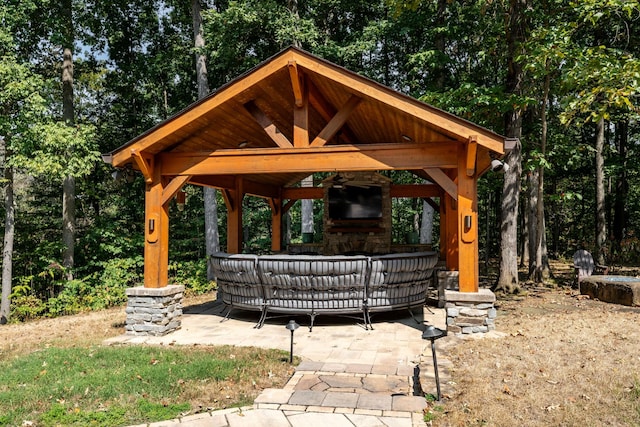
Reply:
x=156 y=242
x=467 y=226
x=443 y=226
x=451 y=234
x=233 y=200
x=276 y=224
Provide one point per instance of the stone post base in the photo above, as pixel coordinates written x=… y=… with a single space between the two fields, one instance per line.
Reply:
x=154 y=311
x=470 y=312
x=447 y=280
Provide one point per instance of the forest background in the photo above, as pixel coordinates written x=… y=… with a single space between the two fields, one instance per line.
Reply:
x=82 y=77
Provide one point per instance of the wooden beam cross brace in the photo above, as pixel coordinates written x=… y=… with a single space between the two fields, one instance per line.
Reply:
x=443 y=181
x=327 y=111
x=267 y=124
x=229 y=201
x=173 y=187
x=288 y=205
x=145 y=164
x=472 y=149
x=296 y=83
x=432 y=203
x=336 y=122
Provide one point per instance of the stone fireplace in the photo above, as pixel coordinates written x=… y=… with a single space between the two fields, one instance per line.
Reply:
x=361 y=235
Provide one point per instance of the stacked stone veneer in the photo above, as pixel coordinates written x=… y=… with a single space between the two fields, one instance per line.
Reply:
x=154 y=311
x=470 y=312
x=377 y=242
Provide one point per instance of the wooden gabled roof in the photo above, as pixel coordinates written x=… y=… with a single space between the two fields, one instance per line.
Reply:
x=297 y=103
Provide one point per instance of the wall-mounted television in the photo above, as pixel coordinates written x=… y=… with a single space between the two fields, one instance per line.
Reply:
x=355 y=202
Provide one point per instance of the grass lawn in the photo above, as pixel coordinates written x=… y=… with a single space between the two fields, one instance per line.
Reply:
x=116 y=386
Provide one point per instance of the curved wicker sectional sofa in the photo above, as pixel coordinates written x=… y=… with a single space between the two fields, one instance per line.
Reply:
x=315 y=284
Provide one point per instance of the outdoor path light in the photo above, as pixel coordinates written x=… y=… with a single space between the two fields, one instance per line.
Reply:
x=432 y=333
x=292 y=326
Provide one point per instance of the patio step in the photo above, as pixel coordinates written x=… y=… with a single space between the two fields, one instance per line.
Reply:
x=347 y=388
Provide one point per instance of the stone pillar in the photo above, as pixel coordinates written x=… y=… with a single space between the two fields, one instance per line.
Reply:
x=446 y=280
x=470 y=312
x=154 y=311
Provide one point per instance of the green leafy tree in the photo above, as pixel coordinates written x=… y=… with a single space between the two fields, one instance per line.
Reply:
x=21 y=107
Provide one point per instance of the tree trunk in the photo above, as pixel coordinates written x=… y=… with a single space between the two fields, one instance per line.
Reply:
x=532 y=223
x=516 y=31
x=7 y=250
x=601 y=225
x=211 y=232
x=68 y=115
x=68 y=224
x=523 y=244
x=307 y=208
x=426 y=225
x=541 y=271
x=622 y=186
x=508 y=278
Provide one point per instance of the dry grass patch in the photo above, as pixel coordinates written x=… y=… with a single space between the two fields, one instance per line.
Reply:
x=565 y=360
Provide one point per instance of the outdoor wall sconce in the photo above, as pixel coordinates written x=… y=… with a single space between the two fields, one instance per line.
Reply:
x=467 y=222
x=432 y=333
x=499 y=166
x=292 y=326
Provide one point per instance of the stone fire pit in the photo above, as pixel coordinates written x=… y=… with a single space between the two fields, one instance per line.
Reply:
x=616 y=289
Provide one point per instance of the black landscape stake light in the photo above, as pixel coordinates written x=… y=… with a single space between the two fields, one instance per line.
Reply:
x=292 y=326
x=432 y=333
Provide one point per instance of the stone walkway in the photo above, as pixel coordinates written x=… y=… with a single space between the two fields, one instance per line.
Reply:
x=348 y=376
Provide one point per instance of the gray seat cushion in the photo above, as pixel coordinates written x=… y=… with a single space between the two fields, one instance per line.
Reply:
x=238 y=280
x=314 y=283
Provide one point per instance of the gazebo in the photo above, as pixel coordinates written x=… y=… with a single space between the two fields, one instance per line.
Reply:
x=291 y=116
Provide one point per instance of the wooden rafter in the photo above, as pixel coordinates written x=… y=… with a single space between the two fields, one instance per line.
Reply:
x=267 y=124
x=445 y=123
x=336 y=122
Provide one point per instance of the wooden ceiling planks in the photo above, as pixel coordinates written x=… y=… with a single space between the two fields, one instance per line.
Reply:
x=221 y=121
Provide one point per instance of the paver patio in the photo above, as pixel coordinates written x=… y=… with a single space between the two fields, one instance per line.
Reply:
x=348 y=375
